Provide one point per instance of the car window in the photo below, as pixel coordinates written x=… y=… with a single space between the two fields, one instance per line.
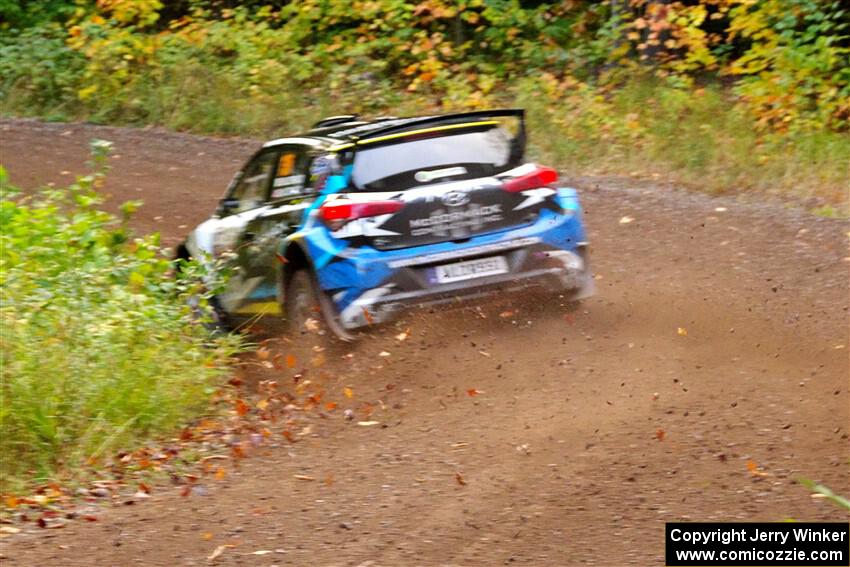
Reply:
x=429 y=157
x=252 y=188
x=291 y=174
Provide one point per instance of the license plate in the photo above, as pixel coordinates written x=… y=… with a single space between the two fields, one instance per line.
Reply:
x=460 y=271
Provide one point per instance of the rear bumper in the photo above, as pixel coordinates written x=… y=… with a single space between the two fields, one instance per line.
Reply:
x=385 y=302
x=370 y=286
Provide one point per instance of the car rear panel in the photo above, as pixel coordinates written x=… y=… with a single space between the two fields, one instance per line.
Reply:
x=369 y=285
x=444 y=212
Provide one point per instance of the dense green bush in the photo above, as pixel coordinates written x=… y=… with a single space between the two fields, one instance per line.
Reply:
x=98 y=345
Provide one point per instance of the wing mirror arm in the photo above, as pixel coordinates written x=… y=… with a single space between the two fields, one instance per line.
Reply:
x=227 y=206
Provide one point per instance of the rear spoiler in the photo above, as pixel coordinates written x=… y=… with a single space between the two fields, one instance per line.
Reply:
x=448 y=120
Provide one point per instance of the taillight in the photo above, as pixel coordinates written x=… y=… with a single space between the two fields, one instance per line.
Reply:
x=336 y=214
x=540 y=177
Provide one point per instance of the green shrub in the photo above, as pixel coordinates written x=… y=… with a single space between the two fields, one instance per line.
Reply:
x=39 y=74
x=99 y=346
x=698 y=137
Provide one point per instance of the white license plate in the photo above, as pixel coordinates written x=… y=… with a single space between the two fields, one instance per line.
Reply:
x=460 y=271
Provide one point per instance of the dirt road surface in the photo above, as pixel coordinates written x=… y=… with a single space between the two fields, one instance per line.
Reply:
x=710 y=371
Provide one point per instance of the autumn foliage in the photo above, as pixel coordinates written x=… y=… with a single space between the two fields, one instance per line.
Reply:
x=776 y=70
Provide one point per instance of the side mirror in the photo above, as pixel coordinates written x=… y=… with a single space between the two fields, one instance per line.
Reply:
x=227 y=205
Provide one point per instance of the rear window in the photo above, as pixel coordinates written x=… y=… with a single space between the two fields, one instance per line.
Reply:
x=433 y=157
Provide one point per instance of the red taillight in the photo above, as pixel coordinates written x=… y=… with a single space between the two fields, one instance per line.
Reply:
x=334 y=212
x=540 y=177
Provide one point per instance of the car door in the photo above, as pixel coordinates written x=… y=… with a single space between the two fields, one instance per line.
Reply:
x=259 y=250
x=246 y=200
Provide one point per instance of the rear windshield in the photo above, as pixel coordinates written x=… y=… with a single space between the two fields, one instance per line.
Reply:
x=434 y=157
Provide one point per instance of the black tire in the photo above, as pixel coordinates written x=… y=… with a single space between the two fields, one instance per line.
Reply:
x=308 y=311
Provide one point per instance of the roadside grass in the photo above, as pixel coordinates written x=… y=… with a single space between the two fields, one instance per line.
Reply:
x=99 y=348
x=697 y=138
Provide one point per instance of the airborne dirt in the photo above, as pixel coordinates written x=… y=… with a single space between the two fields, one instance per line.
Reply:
x=709 y=372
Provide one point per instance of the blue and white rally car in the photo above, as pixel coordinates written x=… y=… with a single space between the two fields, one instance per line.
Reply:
x=355 y=220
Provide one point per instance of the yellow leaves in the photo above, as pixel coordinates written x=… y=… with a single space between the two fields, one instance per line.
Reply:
x=682 y=332
x=86 y=93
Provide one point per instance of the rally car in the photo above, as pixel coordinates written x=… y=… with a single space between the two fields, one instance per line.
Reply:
x=355 y=220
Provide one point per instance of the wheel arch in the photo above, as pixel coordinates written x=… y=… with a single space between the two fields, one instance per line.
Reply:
x=294 y=258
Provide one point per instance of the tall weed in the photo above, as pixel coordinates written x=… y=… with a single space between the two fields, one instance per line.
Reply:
x=99 y=347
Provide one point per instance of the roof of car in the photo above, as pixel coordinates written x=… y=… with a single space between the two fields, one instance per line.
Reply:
x=343 y=131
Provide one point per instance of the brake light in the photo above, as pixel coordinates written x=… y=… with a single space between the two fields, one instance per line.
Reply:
x=340 y=213
x=540 y=177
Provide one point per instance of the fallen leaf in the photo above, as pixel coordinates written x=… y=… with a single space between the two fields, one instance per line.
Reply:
x=754 y=469
x=218 y=551
x=261 y=552
x=626 y=220
x=207 y=536
x=11 y=502
x=290 y=361
x=472 y=392
x=220 y=473
x=459 y=478
x=330 y=406
x=311 y=325
x=9 y=530
x=241 y=407
x=383 y=353
x=368 y=423
x=683 y=332
x=303 y=477
x=403 y=336
x=349 y=393
x=288 y=434
x=659 y=434
x=506 y=314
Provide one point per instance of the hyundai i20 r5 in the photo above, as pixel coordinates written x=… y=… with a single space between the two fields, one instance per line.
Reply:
x=355 y=220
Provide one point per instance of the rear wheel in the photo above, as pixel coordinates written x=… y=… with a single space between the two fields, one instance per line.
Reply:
x=309 y=312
